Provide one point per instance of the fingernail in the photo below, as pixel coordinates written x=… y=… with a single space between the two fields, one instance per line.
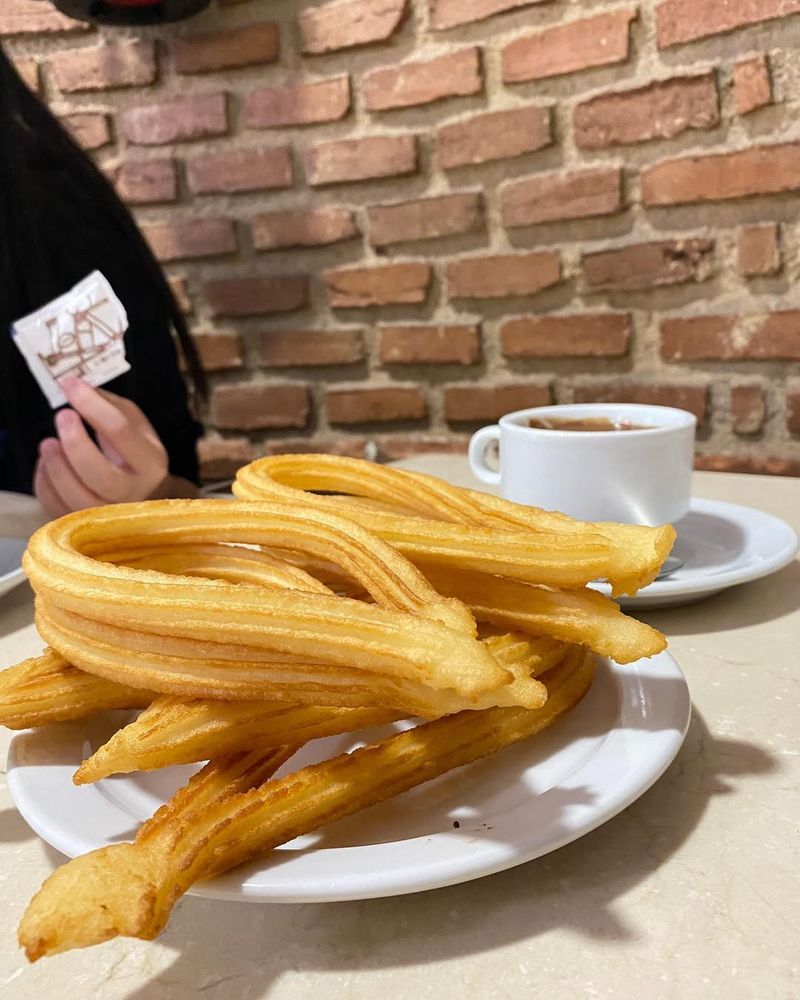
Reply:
x=69 y=383
x=65 y=417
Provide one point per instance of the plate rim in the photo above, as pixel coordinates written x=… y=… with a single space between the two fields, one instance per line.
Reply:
x=491 y=856
x=14 y=576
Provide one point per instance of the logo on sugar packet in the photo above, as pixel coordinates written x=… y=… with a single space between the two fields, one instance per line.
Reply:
x=79 y=333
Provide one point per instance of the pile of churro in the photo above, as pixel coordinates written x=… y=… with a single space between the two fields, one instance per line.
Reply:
x=332 y=595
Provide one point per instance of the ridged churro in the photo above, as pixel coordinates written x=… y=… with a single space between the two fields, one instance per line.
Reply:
x=212 y=824
x=247 y=628
x=410 y=633
x=47 y=689
x=171 y=731
x=425 y=519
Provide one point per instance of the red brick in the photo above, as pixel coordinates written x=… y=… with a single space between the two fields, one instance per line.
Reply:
x=661 y=110
x=698 y=338
x=256 y=296
x=351 y=446
x=502 y=275
x=240 y=170
x=449 y=13
x=219 y=351
x=344 y=24
x=89 y=129
x=426 y=344
x=300 y=348
x=759 y=170
x=685 y=20
x=777 y=338
x=752 y=87
x=759 y=250
x=386 y=284
x=28 y=69
x=122 y=64
x=249 y=45
x=649 y=265
x=256 y=406
x=774 y=337
x=180 y=290
x=793 y=412
x=315 y=228
x=558 y=197
x=379 y=404
x=196 y=117
x=693 y=398
x=298 y=104
x=583 y=335
x=32 y=17
x=342 y=161
x=456 y=74
x=748 y=408
x=393 y=447
x=602 y=40
x=425 y=218
x=221 y=458
x=191 y=238
x=144 y=182
x=496 y=135
x=475 y=403
x=755 y=464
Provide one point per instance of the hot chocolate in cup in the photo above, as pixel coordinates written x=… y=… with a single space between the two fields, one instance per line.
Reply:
x=623 y=462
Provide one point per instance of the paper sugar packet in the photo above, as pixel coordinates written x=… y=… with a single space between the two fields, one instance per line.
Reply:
x=79 y=333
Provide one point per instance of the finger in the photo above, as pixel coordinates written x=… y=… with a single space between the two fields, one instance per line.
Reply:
x=121 y=428
x=44 y=492
x=128 y=407
x=75 y=494
x=87 y=461
x=136 y=415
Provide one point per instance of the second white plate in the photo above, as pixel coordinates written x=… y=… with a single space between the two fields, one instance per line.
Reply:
x=492 y=815
x=11 y=572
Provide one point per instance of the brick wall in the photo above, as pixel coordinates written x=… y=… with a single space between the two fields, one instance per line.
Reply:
x=393 y=221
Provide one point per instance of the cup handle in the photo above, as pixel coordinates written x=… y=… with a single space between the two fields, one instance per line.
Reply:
x=478 y=444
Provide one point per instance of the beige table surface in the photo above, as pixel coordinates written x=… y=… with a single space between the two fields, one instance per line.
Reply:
x=692 y=892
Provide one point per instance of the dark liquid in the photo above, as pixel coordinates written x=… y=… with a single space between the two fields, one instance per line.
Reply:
x=131 y=12
x=585 y=424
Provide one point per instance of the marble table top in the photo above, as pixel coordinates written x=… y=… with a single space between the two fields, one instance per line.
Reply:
x=690 y=893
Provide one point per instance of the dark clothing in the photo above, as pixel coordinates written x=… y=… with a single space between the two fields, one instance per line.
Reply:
x=73 y=237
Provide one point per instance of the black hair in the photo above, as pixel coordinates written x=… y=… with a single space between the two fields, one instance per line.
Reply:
x=30 y=132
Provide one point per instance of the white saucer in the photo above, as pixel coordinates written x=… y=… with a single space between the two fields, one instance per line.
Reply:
x=722 y=544
x=11 y=572
x=492 y=815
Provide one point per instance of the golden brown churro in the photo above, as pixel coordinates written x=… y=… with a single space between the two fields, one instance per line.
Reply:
x=249 y=627
x=410 y=633
x=176 y=732
x=46 y=689
x=531 y=545
x=130 y=889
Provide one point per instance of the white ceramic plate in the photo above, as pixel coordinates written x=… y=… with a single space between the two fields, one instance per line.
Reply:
x=11 y=572
x=511 y=808
x=722 y=544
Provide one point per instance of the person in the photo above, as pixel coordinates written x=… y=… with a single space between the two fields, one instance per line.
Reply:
x=60 y=219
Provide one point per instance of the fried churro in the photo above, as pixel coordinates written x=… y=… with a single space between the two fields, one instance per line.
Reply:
x=213 y=824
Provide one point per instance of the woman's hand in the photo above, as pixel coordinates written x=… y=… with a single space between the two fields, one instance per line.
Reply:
x=73 y=472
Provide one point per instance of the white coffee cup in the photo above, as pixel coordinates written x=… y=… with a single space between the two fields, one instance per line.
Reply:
x=632 y=476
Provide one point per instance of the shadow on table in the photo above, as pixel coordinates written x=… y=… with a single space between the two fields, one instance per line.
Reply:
x=228 y=949
x=740 y=607
x=13 y=828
